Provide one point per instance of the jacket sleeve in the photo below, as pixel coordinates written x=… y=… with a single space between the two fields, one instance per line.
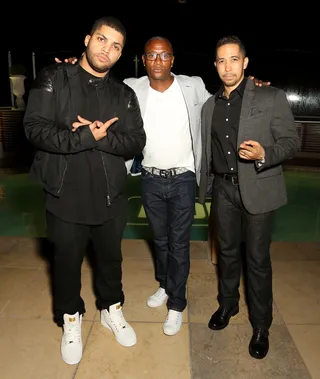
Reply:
x=284 y=131
x=131 y=139
x=41 y=125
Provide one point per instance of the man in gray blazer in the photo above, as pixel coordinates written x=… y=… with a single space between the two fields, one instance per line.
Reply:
x=247 y=132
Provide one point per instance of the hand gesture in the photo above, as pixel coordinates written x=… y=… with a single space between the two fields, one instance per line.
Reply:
x=98 y=128
x=251 y=150
x=82 y=122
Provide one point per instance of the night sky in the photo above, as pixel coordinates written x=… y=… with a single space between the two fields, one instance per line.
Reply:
x=279 y=48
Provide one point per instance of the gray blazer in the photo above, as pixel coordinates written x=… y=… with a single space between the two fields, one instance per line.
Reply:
x=266 y=117
x=195 y=95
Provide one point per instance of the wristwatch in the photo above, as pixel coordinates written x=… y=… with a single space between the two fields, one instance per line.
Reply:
x=260 y=162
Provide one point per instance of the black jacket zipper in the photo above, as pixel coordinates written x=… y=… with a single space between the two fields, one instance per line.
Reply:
x=104 y=165
x=63 y=175
x=106 y=175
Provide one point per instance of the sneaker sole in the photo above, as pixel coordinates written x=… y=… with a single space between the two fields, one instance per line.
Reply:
x=172 y=334
x=71 y=362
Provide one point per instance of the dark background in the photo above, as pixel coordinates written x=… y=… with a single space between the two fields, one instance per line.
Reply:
x=282 y=48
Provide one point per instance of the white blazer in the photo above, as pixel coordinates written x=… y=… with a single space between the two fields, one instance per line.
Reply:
x=195 y=95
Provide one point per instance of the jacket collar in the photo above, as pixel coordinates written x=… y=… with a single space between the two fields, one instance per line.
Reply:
x=73 y=70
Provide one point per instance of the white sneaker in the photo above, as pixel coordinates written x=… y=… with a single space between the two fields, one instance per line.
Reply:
x=157 y=299
x=71 y=343
x=114 y=320
x=173 y=323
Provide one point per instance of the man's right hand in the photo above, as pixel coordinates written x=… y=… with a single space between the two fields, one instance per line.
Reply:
x=98 y=128
x=72 y=60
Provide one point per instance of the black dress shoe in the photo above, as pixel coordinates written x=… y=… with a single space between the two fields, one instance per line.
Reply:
x=220 y=319
x=259 y=344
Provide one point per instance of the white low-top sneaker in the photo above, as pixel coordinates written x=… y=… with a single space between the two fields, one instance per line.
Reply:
x=173 y=322
x=157 y=299
x=115 y=321
x=71 y=342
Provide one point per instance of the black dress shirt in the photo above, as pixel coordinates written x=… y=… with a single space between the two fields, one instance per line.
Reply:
x=224 y=131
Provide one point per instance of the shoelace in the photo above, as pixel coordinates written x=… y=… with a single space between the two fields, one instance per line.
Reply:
x=118 y=320
x=72 y=333
x=260 y=332
x=160 y=293
x=224 y=312
x=173 y=317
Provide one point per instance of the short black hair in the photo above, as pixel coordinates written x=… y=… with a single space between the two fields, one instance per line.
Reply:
x=231 y=39
x=113 y=23
x=159 y=38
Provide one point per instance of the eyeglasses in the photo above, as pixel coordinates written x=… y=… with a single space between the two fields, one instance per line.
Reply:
x=153 y=56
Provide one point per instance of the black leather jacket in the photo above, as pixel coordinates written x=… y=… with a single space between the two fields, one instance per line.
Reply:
x=48 y=126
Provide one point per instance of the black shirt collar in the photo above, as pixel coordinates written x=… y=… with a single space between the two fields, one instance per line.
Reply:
x=240 y=89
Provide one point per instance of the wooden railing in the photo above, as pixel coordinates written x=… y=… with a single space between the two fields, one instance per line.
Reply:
x=309 y=133
x=13 y=138
x=12 y=134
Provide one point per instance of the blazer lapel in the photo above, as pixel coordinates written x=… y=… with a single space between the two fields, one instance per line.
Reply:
x=207 y=125
x=247 y=105
x=187 y=91
x=143 y=94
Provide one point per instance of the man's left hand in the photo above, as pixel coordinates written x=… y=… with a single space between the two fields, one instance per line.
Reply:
x=251 y=150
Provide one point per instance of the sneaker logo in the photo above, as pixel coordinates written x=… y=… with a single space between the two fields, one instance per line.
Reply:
x=72 y=319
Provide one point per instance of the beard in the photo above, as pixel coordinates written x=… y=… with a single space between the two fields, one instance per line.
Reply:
x=230 y=82
x=101 y=68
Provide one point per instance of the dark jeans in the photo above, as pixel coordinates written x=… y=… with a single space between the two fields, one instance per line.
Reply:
x=169 y=204
x=233 y=225
x=70 y=242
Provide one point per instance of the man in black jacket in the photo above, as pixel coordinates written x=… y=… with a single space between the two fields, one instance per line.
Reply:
x=85 y=125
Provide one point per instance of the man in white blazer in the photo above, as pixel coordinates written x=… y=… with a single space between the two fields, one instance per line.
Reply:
x=171 y=109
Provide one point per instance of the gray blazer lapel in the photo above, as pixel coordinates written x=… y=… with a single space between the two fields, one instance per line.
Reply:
x=247 y=105
x=208 y=125
x=187 y=91
x=142 y=93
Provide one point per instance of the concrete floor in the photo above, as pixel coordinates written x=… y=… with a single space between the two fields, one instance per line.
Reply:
x=30 y=341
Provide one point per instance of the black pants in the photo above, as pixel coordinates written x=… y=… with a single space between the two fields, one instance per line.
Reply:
x=70 y=242
x=233 y=225
x=169 y=204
